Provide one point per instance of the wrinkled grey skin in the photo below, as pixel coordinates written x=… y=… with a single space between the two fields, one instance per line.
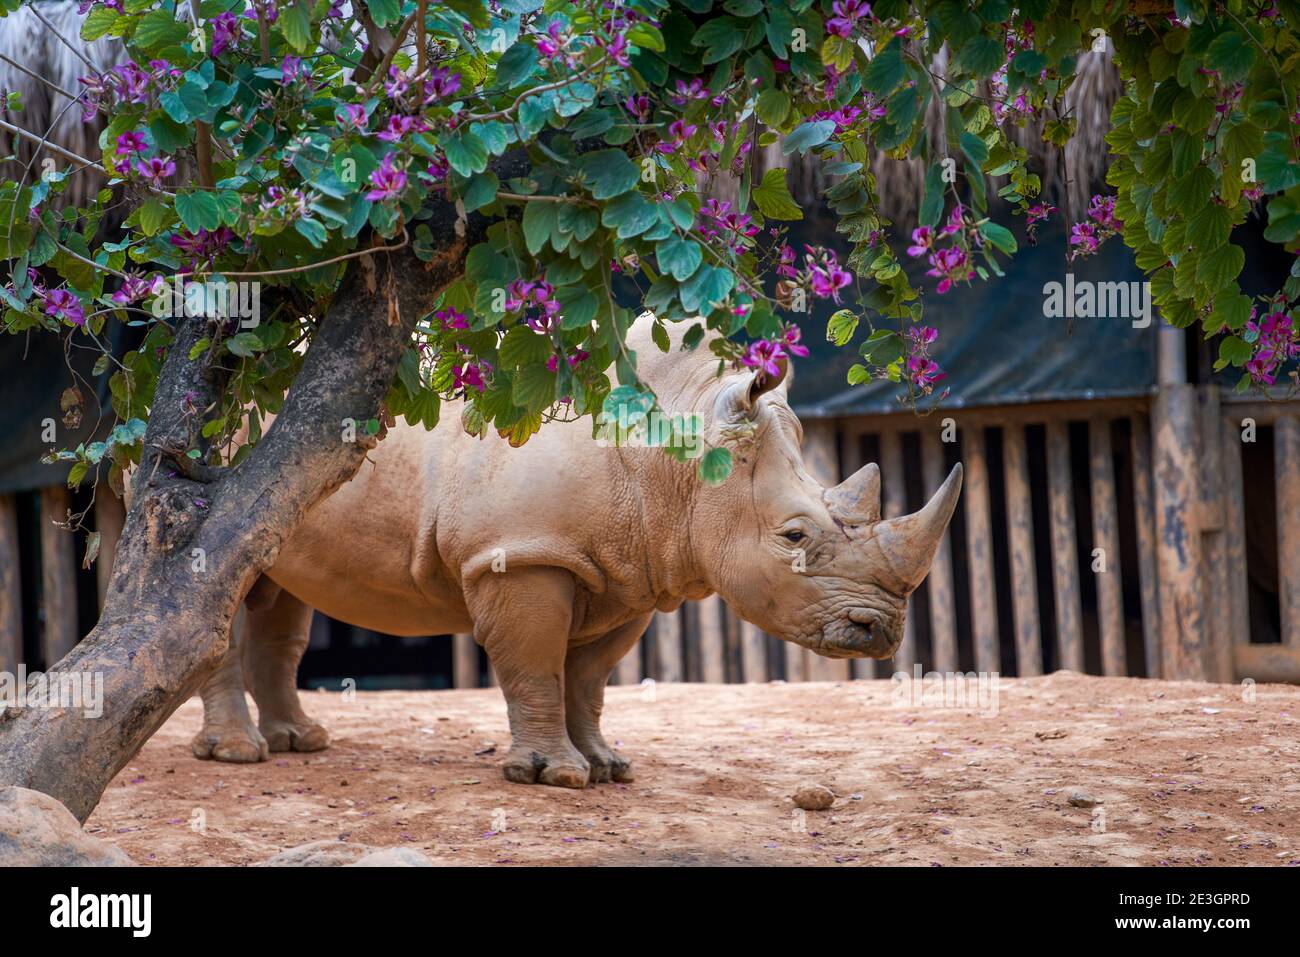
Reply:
x=557 y=554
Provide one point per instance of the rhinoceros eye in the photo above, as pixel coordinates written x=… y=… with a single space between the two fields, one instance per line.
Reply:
x=794 y=536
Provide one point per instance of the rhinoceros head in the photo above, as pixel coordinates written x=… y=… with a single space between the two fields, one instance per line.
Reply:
x=813 y=565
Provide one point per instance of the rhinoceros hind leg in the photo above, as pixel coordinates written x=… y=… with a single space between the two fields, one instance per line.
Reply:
x=278 y=637
x=586 y=673
x=228 y=731
x=521 y=617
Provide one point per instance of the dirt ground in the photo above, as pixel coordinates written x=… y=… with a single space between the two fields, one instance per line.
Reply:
x=1183 y=773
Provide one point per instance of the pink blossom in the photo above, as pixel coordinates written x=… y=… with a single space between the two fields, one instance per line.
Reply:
x=389 y=181
x=65 y=306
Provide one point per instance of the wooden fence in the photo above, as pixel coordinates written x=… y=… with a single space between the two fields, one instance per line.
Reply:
x=1107 y=536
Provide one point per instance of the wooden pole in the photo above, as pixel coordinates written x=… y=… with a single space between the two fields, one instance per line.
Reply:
x=11 y=589
x=979 y=551
x=852 y=459
x=1234 y=534
x=894 y=492
x=753 y=653
x=1065 y=561
x=58 y=576
x=1286 y=446
x=712 y=640
x=939 y=584
x=628 y=669
x=821 y=458
x=1020 y=537
x=1144 y=515
x=668 y=646
x=1105 y=530
x=1214 y=569
x=109 y=519
x=1174 y=422
x=464 y=658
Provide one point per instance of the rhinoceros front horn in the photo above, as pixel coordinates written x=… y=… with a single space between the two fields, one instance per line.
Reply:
x=856 y=500
x=910 y=541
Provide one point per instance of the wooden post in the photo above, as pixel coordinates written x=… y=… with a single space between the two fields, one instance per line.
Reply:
x=1234 y=535
x=109 y=519
x=821 y=458
x=464 y=661
x=1286 y=452
x=11 y=589
x=1219 y=662
x=628 y=670
x=852 y=459
x=58 y=576
x=668 y=646
x=1144 y=515
x=753 y=653
x=1065 y=561
x=1105 y=530
x=1178 y=540
x=939 y=584
x=1020 y=537
x=894 y=492
x=979 y=550
x=712 y=639
x=796 y=657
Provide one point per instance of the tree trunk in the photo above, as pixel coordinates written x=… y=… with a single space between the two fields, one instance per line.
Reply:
x=196 y=539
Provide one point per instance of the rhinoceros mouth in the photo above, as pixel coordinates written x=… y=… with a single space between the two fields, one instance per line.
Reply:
x=861 y=634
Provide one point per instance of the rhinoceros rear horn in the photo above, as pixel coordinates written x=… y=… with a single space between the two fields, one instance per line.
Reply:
x=856 y=500
x=910 y=541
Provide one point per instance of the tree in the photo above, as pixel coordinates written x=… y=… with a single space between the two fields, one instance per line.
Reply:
x=474 y=199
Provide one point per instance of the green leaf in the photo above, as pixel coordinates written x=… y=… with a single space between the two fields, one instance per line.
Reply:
x=808 y=135
x=521 y=347
x=773 y=106
x=630 y=214
x=1220 y=266
x=516 y=65
x=384 y=12
x=976 y=149
x=841 y=327
x=539 y=223
x=885 y=71
x=481 y=191
x=1230 y=55
x=679 y=257
x=534 y=388
x=98 y=22
x=773 y=198
x=152 y=216
x=981 y=56
x=715 y=466
x=466 y=153
x=296 y=25
x=159 y=29
x=198 y=210
x=608 y=173
x=708 y=287
x=999 y=236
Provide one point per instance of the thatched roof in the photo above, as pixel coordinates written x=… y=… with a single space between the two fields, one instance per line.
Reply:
x=901 y=182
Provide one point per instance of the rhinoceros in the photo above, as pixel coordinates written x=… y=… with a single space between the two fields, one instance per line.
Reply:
x=557 y=554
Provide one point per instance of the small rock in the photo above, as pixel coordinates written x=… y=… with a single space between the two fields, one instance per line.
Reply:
x=1082 y=799
x=814 y=797
x=38 y=831
x=393 y=857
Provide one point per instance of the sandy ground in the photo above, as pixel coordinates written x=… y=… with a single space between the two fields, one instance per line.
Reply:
x=1185 y=774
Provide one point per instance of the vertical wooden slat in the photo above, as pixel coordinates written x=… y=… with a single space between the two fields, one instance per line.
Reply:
x=753 y=653
x=11 y=593
x=628 y=668
x=894 y=494
x=58 y=576
x=1065 y=562
x=1234 y=535
x=1105 y=530
x=852 y=459
x=821 y=458
x=1286 y=444
x=668 y=646
x=1020 y=537
x=795 y=658
x=940 y=587
x=109 y=518
x=1144 y=515
x=712 y=639
x=979 y=550
x=1214 y=570
x=464 y=661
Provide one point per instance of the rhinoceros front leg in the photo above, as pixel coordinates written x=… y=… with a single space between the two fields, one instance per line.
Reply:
x=278 y=637
x=522 y=619
x=228 y=731
x=586 y=673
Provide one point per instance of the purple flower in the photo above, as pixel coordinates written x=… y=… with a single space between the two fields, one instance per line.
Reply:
x=948 y=265
x=790 y=342
x=451 y=319
x=132 y=83
x=290 y=69
x=847 y=14
x=389 y=181
x=226 y=32
x=764 y=355
x=65 y=306
x=399 y=126
x=134 y=288
x=353 y=116
x=397 y=83
x=154 y=171
x=922 y=242
x=132 y=142
x=638 y=106
x=203 y=246
x=616 y=48
x=1102 y=212
x=441 y=83
x=1083 y=235
x=924 y=373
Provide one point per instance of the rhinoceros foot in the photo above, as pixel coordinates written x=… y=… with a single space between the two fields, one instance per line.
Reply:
x=298 y=734
x=235 y=743
x=606 y=763
x=564 y=769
